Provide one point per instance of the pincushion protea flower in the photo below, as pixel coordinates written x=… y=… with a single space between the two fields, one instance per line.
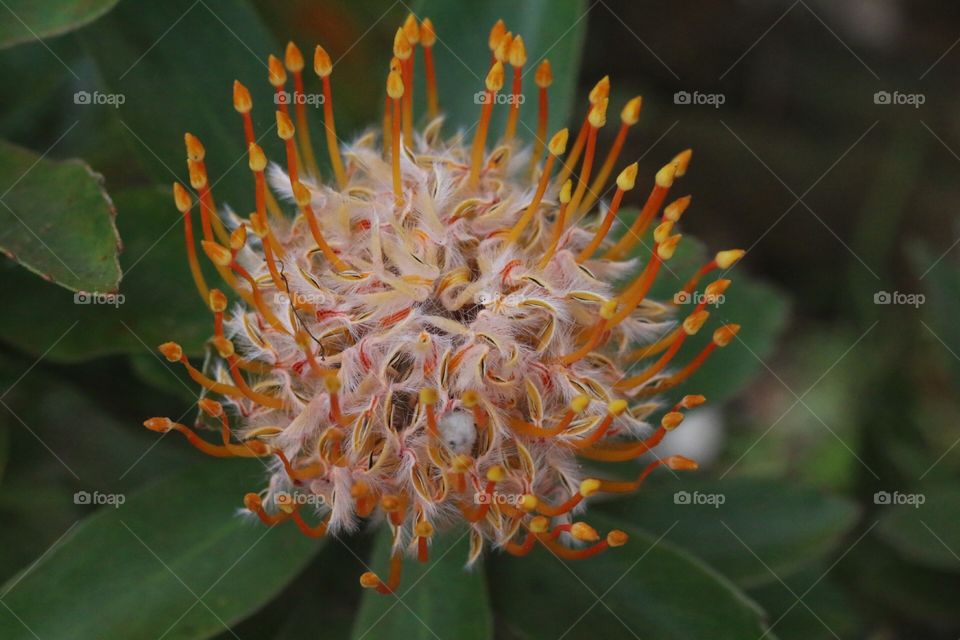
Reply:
x=434 y=337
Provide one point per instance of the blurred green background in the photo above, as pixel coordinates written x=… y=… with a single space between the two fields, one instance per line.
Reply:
x=826 y=142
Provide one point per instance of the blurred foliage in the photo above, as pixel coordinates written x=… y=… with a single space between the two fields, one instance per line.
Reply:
x=828 y=399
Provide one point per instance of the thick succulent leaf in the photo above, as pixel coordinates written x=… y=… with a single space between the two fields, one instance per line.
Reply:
x=752 y=530
x=57 y=220
x=550 y=29
x=437 y=599
x=159 y=301
x=26 y=21
x=175 y=63
x=647 y=589
x=175 y=559
x=925 y=526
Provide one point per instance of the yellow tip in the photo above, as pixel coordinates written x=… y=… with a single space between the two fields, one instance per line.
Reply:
x=682 y=160
x=502 y=52
x=680 y=463
x=617 y=538
x=429 y=395
x=223 y=346
x=584 y=532
x=725 y=334
x=518 y=52
x=242 y=101
x=589 y=487
x=195 y=150
x=210 y=407
x=423 y=529
x=160 y=425
x=470 y=399
x=369 y=580
x=691 y=401
x=411 y=29
x=558 y=143
x=171 y=351
x=668 y=247
x=693 y=322
x=579 y=404
x=675 y=209
x=496 y=473
x=322 y=65
x=496 y=33
x=565 y=191
x=666 y=175
x=716 y=288
x=728 y=258
x=628 y=177
x=600 y=90
x=608 y=308
x=529 y=502
x=494 y=81
x=395 y=85
x=292 y=58
x=301 y=194
x=198 y=175
x=617 y=407
x=257 y=159
x=671 y=420
x=238 y=238
x=181 y=198
x=662 y=231
x=401 y=45
x=332 y=383
x=598 y=114
x=277 y=74
x=544 y=74
x=217 y=301
x=217 y=253
x=539 y=524
x=630 y=113
x=428 y=36
x=285 y=128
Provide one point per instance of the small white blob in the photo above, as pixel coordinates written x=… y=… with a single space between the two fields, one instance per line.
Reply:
x=458 y=431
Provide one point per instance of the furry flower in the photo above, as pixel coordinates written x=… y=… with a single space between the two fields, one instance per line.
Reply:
x=431 y=336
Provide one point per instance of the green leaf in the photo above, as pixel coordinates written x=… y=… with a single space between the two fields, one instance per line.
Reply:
x=159 y=301
x=826 y=611
x=137 y=571
x=554 y=30
x=940 y=276
x=437 y=599
x=26 y=20
x=647 y=589
x=57 y=220
x=928 y=533
x=175 y=63
x=731 y=523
